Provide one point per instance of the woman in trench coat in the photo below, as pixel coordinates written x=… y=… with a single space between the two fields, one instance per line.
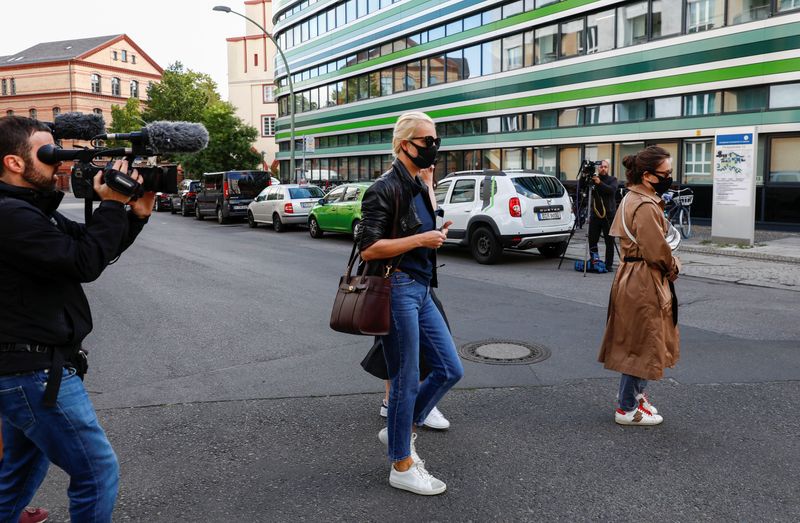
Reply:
x=641 y=337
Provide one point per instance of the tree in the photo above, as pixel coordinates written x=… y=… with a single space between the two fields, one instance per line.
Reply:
x=126 y=118
x=181 y=95
x=230 y=142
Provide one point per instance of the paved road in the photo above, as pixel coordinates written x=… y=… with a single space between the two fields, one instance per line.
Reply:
x=227 y=397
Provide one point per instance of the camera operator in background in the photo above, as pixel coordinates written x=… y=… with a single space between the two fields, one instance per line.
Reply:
x=604 y=205
x=44 y=316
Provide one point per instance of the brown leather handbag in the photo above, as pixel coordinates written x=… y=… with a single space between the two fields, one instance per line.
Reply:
x=363 y=303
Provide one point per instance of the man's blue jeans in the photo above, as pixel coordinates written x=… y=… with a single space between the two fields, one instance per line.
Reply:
x=629 y=388
x=67 y=434
x=416 y=325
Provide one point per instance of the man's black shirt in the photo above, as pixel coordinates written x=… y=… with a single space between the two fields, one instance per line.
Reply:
x=44 y=258
x=605 y=191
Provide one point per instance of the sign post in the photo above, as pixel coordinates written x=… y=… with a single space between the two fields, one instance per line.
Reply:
x=734 y=205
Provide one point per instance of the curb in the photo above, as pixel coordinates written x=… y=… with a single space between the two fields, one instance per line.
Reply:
x=739 y=254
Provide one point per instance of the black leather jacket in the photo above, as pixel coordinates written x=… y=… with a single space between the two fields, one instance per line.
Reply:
x=387 y=202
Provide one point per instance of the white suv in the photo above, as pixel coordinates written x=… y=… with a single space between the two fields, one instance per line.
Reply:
x=493 y=210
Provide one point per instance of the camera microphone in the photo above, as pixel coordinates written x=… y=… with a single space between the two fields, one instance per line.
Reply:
x=77 y=126
x=166 y=137
x=51 y=154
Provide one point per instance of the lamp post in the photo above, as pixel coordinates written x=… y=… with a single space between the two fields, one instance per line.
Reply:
x=226 y=9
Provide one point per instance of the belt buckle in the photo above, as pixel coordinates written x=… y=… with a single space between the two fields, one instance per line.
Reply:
x=41 y=349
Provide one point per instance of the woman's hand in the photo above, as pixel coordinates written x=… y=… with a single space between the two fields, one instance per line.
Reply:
x=434 y=239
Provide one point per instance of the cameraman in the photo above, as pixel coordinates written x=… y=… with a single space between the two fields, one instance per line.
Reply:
x=44 y=317
x=604 y=205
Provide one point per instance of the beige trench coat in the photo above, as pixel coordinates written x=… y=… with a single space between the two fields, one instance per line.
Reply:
x=641 y=338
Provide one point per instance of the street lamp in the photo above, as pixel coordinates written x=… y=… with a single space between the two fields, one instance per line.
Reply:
x=226 y=9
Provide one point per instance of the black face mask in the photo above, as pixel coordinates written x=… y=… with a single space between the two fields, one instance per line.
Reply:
x=663 y=184
x=426 y=156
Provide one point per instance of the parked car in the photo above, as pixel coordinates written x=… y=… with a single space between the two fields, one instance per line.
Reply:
x=338 y=211
x=494 y=210
x=227 y=194
x=162 y=202
x=274 y=181
x=283 y=205
x=184 y=200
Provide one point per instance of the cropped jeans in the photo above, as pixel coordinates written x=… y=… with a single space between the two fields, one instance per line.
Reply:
x=68 y=434
x=417 y=325
x=629 y=388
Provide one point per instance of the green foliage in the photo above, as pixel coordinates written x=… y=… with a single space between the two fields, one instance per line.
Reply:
x=126 y=118
x=181 y=95
x=229 y=145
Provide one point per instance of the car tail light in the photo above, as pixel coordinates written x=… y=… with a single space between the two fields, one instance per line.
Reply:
x=288 y=209
x=225 y=192
x=514 y=207
x=191 y=194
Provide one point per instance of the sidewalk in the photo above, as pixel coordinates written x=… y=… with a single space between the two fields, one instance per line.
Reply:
x=773 y=262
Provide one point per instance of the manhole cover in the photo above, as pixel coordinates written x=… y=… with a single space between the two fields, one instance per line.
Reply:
x=504 y=352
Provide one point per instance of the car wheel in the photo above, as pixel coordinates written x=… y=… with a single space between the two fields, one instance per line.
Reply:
x=184 y=210
x=221 y=217
x=356 y=228
x=197 y=214
x=277 y=224
x=553 y=250
x=313 y=228
x=485 y=246
x=251 y=222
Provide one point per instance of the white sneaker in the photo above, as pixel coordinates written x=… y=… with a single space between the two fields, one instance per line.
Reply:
x=638 y=416
x=417 y=480
x=384 y=409
x=644 y=402
x=383 y=437
x=436 y=420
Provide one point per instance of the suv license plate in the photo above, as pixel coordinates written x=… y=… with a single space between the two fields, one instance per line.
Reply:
x=239 y=207
x=306 y=205
x=549 y=215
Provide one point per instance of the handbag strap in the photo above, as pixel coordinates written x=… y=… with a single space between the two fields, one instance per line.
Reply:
x=356 y=252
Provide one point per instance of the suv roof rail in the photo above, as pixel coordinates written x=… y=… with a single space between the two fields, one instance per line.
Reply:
x=483 y=172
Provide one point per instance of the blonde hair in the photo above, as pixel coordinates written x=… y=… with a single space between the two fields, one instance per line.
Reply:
x=405 y=128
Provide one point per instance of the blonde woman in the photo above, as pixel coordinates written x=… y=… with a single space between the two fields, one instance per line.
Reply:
x=399 y=232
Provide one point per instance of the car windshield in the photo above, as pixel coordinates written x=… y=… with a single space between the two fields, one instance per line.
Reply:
x=194 y=187
x=305 y=192
x=538 y=187
x=247 y=184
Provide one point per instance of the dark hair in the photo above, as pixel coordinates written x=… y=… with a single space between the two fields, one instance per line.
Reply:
x=15 y=134
x=646 y=160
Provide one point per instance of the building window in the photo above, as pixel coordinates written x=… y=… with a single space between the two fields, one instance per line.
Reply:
x=669 y=107
x=114 y=56
x=742 y=11
x=747 y=99
x=133 y=58
x=631 y=111
x=5 y=87
x=697 y=104
x=782 y=163
x=134 y=89
x=666 y=18
x=33 y=114
x=632 y=24
x=600 y=32
x=255 y=60
x=124 y=56
x=97 y=111
x=788 y=5
x=572 y=38
x=96 y=83
x=56 y=112
x=269 y=94
x=697 y=161
x=13 y=86
x=512 y=52
x=268 y=126
x=784 y=95
x=599 y=114
x=115 y=88
x=546 y=44
x=702 y=15
x=9 y=113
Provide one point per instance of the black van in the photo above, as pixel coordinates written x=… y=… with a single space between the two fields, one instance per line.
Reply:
x=227 y=194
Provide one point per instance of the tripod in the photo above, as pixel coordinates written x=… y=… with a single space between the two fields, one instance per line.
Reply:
x=583 y=205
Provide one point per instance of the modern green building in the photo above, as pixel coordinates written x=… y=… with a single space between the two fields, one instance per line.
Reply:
x=544 y=84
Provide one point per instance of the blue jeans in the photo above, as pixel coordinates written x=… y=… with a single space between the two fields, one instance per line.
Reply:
x=629 y=388
x=67 y=434
x=416 y=325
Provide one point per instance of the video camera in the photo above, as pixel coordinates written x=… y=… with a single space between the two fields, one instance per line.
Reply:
x=152 y=141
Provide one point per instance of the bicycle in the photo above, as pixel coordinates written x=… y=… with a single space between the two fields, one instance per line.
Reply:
x=678 y=209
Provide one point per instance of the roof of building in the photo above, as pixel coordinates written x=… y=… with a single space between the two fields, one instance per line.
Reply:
x=56 y=51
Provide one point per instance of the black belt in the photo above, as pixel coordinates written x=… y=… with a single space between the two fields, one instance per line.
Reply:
x=25 y=347
x=632 y=259
x=57 y=363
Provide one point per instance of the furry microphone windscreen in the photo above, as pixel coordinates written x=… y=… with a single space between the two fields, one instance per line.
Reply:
x=177 y=137
x=78 y=126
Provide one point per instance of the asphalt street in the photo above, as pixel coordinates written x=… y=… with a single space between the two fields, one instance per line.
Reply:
x=228 y=398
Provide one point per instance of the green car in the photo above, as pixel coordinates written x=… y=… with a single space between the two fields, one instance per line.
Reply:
x=338 y=211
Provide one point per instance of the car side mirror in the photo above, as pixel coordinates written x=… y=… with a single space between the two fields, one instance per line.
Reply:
x=321 y=201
